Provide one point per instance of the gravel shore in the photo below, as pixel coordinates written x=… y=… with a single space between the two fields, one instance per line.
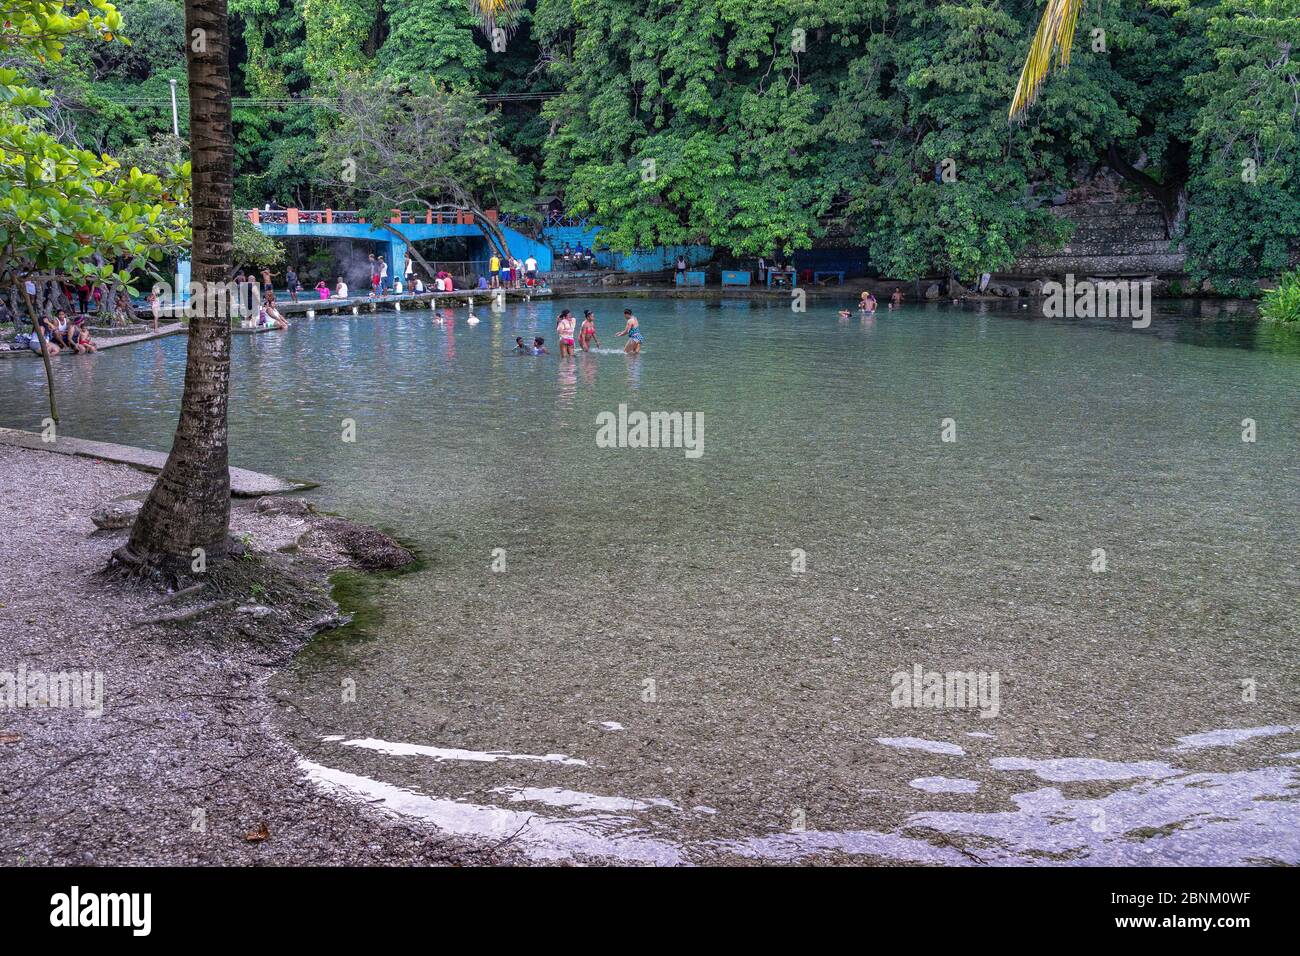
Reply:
x=183 y=766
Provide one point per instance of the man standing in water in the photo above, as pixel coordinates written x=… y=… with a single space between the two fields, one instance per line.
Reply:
x=291 y=280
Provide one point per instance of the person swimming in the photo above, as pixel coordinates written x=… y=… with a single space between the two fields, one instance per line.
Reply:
x=867 y=303
x=633 y=332
x=539 y=347
x=587 y=334
x=520 y=348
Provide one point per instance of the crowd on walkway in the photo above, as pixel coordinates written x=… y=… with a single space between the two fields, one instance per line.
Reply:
x=502 y=273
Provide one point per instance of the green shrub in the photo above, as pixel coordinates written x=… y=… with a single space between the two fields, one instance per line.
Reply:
x=1283 y=303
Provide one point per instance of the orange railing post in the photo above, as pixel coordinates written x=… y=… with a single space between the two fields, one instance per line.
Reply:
x=397 y=216
x=254 y=216
x=291 y=216
x=329 y=215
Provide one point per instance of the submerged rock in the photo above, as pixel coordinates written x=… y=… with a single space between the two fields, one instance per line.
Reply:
x=116 y=515
x=276 y=505
x=366 y=547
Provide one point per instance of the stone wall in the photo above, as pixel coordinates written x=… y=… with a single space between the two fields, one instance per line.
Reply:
x=1116 y=233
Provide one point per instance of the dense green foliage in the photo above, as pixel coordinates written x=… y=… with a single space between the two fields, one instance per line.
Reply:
x=65 y=211
x=761 y=128
x=1283 y=303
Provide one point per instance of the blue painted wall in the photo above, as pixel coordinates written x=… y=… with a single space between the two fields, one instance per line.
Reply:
x=395 y=249
x=647 y=260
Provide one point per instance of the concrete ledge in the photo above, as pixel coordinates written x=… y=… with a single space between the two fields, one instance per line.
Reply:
x=110 y=342
x=243 y=483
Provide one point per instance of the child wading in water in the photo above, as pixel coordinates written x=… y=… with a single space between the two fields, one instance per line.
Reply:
x=564 y=329
x=587 y=334
x=633 y=332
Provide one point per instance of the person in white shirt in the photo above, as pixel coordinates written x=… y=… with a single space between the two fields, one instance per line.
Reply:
x=530 y=267
x=341 y=289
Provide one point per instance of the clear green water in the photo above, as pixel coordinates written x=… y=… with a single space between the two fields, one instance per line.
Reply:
x=772 y=689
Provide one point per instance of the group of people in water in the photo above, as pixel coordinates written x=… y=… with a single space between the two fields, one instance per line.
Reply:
x=867 y=304
x=585 y=337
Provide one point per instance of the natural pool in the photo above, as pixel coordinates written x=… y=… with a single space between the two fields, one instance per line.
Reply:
x=649 y=680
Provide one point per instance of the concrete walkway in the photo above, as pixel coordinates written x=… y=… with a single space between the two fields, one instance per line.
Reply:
x=243 y=483
x=110 y=342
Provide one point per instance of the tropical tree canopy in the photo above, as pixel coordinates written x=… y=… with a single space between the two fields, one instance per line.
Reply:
x=767 y=127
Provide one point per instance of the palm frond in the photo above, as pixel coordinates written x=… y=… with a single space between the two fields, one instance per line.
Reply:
x=1053 y=40
x=492 y=14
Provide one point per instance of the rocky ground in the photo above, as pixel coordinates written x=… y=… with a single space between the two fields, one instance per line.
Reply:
x=183 y=765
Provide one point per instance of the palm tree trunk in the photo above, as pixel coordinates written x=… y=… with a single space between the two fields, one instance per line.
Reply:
x=189 y=506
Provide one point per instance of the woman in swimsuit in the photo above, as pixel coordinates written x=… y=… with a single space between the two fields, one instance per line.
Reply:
x=587 y=334
x=564 y=329
x=633 y=332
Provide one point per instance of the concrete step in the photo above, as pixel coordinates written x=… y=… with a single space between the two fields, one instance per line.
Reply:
x=1118 y=231
x=1111 y=207
x=243 y=483
x=1138 y=265
x=1123 y=247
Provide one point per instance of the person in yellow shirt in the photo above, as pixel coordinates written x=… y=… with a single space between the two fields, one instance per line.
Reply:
x=494 y=270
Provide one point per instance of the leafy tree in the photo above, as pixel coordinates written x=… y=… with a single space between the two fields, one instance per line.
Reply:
x=399 y=145
x=67 y=214
x=252 y=247
x=1243 y=220
x=431 y=38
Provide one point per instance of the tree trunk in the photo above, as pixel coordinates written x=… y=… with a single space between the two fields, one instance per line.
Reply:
x=410 y=251
x=189 y=506
x=492 y=231
x=39 y=331
x=1169 y=194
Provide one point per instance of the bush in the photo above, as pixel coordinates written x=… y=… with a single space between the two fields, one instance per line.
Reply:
x=1283 y=303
